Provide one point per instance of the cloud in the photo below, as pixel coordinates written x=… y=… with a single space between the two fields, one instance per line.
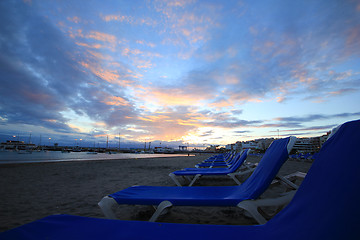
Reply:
x=74 y=19
x=285 y=53
x=43 y=77
x=207 y=134
x=29 y=94
x=314 y=128
x=129 y=19
x=300 y=121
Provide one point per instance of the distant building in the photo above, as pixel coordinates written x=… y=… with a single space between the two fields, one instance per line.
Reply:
x=16 y=145
x=182 y=148
x=238 y=146
x=302 y=145
x=310 y=145
x=212 y=148
x=264 y=143
x=249 y=145
x=323 y=138
x=230 y=147
x=163 y=150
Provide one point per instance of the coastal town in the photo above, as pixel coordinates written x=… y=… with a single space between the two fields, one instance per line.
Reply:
x=304 y=145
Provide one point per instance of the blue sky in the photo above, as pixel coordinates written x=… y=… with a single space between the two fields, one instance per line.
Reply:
x=177 y=72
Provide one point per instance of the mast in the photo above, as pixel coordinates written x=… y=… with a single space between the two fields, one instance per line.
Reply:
x=119 y=141
x=107 y=141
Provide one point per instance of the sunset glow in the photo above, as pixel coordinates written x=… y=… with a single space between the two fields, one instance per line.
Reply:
x=177 y=72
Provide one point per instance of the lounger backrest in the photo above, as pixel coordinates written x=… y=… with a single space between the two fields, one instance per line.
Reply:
x=240 y=158
x=327 y=204
x=266 y=170
x=232 y=158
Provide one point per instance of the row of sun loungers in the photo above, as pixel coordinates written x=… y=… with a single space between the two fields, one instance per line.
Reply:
x=192 y=174
x=325 y=206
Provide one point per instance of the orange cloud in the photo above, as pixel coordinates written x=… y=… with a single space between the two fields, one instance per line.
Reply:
x=50 y=120
x=242 y=97
x=280 y=99
x=110 y=76
x=100 y=55
x=173 y=97
x=181 y=3
x=107 y=75
x=139 y=63
x=120 y=18
x=221 y=104
x=104 y=37
x=116 y=101
x=95 y=45
x=303 y=78
x=152 y=45
x=129 y=19
x=155 y=118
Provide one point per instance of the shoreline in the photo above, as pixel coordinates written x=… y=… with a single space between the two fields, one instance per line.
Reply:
x=33 y=191
x=43 y=157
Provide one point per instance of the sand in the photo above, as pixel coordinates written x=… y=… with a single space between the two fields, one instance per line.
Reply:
x=32 y=191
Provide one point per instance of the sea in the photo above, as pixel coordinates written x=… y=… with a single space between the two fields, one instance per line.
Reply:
x=7 y=157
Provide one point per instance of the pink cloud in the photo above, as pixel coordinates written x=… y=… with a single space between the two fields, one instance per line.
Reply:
x=95 y=45
x=170 y=97
x=129 y=20
x=110 y=76
x=115 y=101
x=74 y=19
x=352 y=40
x=119 y=18
x=103 y=37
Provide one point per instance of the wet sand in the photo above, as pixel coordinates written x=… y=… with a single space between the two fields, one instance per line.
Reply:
x=32 y=191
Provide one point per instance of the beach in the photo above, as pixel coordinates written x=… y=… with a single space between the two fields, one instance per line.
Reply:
x=34 y=190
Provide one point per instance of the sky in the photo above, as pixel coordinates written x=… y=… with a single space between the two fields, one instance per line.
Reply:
x=188 y=72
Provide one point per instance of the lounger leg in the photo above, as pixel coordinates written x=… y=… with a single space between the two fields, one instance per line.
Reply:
x=173 y=177
x=288 y=182
x=251 y=208
x=106 y=205
x=162 y=206
x=233 y=176
x=244 y=173
x=188 y=178
x=197 y=176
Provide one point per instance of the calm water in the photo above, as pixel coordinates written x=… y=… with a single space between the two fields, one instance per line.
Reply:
x=54 y=156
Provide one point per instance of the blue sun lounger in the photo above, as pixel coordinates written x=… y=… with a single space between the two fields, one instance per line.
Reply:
x=195 y=173
x=165 y=197
x=218 y=158
x=326 y=206
x=224 y=161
